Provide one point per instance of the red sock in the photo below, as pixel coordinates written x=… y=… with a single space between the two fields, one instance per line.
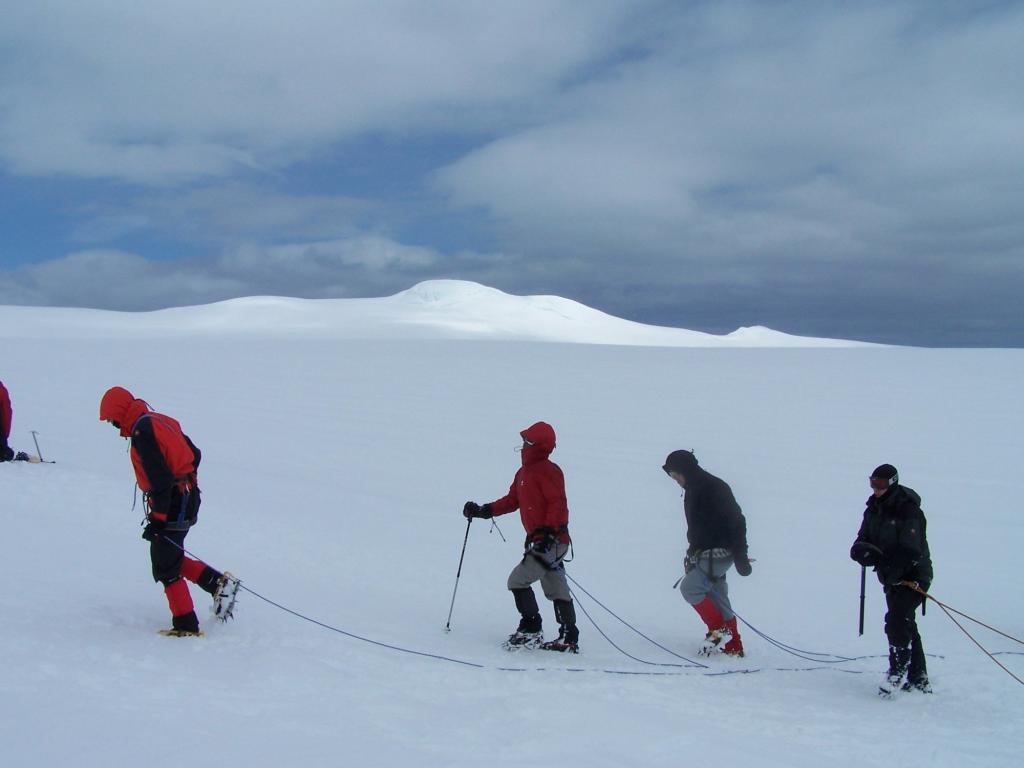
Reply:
x=192 y=569
x=178 y=598
x=709 y=612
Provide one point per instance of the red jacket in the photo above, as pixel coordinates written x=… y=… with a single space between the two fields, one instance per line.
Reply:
x=163 y=456
x=5 y=412
x=538 y=490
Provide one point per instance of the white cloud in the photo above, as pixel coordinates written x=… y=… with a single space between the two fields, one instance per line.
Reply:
x=785 y=129
x=122 y=280
x=159 y=93
x=225 y=213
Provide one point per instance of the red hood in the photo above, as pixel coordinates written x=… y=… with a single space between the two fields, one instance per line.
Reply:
x=542 y=437
x=120 y=405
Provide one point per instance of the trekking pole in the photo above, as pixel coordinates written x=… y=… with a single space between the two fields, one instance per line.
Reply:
x=448 y=625
x=863 y=578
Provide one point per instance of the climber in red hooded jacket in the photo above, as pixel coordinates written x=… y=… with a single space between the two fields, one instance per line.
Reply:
x=166 y=463
x=538 y=492
x=6 y=453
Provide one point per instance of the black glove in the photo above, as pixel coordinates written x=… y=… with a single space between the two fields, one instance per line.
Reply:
x=742 y=563
x=149 y=533
x=472 y=509
x=865 y=553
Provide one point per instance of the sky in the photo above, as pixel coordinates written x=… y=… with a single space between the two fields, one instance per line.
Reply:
x=821 y=168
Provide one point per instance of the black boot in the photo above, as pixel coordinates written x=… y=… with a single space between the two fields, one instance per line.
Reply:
x=917 y=671
x=529 y=633
x=896 y=677
x=568 y=634
x=186 y=625
x=208 y=580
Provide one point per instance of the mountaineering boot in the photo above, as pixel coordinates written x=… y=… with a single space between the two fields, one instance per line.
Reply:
x=920 y=684
x=734 y=646
x=183 y=615
x=896 y=677
x=917 y=669
x=529 y=634
x=718 y=633
x=715 y=641
x=202 y=575
x=225 y=595
x=184 y=625
x=568 y=640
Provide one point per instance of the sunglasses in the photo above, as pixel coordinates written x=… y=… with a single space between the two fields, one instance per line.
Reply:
x=880 y=483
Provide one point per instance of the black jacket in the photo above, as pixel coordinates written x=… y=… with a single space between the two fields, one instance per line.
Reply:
x=713 y=518
x=896 y=525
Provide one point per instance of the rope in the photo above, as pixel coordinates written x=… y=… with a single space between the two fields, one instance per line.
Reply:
x=914 y=586
x=682 y=669
x=359 y=637
x=690 y=662
x=791 y=650
x=950 y=611
x=620 y=650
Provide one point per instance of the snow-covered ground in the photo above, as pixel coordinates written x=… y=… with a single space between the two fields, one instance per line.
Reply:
x=340 y=440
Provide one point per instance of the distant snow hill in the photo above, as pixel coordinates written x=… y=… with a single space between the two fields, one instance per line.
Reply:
x=435 y=309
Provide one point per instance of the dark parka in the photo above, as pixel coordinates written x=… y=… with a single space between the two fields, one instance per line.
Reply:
x=713 y=516
x=896 y=525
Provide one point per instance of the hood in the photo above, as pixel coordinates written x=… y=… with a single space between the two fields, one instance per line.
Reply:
x=683 y=462
x=120 y=405
x=542 y=437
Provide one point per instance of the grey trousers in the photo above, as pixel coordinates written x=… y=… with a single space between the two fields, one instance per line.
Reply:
x=546 y=568
x=707 y=579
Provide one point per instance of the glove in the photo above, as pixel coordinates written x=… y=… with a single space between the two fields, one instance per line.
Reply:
x=742 y=563
x=149 y=533
x=865 y=553
x=472 y=509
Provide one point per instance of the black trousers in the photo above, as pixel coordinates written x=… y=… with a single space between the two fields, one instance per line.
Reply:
x=166 y=555
x=901 y=628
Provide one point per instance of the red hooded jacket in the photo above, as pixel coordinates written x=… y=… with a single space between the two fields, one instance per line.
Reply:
x=163 y=456
x=538 y=490
x=5 y=412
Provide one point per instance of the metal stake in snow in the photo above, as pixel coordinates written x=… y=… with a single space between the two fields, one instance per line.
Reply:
x=39 y=453
x=448 y=625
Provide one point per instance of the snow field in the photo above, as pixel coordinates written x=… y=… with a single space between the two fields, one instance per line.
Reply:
x=333 y=474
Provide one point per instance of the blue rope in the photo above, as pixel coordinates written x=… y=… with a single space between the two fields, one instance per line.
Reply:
x=683 y=669
x=690 y=662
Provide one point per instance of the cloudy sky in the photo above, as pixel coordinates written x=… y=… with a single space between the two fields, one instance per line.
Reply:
x=825 y=168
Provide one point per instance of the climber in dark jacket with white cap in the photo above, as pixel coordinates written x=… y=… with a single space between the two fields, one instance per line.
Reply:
x=893 y=540
x=716 y=535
